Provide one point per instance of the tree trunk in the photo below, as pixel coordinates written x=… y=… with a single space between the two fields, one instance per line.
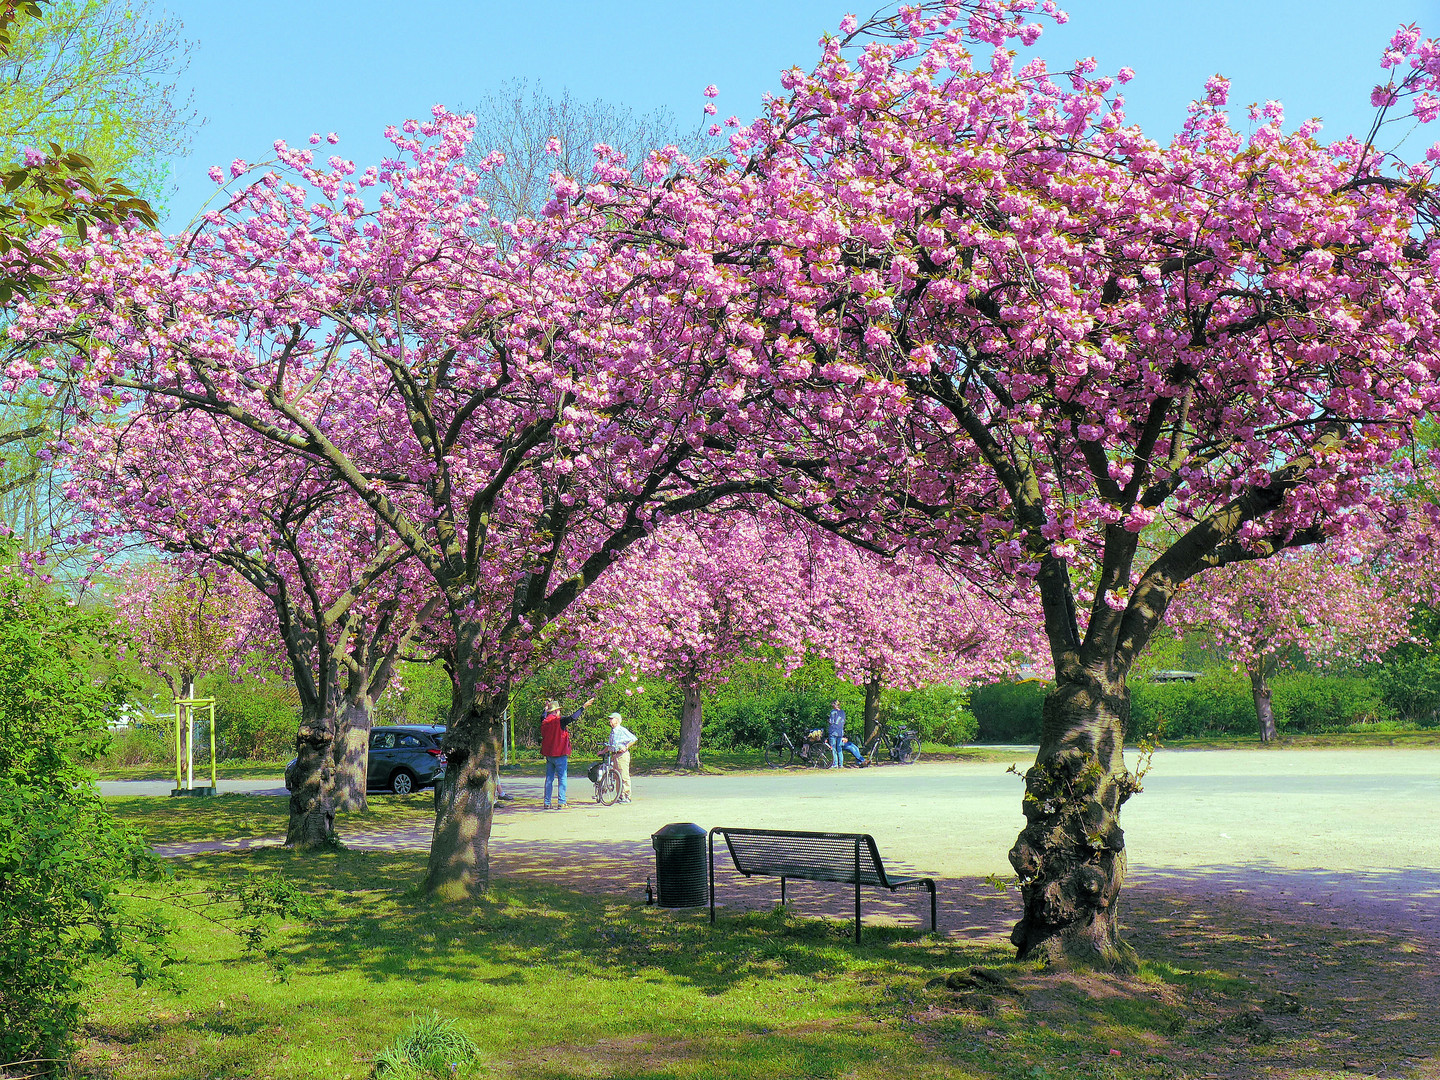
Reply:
x=691 y=720
x=1264 y=712
x=1070 y=858
x=872 y=709
x=312 y=810
x=465 y=799
x=352 y=753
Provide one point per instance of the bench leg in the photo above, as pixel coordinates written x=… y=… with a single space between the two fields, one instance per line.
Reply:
x=782 y=892
x=711 y=845
x=932 y=906
x=857 y=892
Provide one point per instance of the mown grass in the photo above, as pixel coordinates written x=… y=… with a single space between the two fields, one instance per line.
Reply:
x=554 y=984
x=231 y=817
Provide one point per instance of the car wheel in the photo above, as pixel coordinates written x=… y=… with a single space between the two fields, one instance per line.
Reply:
x=402 y=782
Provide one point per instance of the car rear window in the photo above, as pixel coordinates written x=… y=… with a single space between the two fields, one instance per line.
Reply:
x=408 y=740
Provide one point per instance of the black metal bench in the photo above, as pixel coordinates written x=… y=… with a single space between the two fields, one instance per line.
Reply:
x=847 y=858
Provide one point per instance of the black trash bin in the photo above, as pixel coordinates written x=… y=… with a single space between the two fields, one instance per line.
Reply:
x=681 y=870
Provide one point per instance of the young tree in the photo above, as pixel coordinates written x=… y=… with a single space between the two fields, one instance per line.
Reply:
x=1308 y=601
x=693 y=599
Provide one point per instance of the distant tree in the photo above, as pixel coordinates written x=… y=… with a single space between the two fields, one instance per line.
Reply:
x=1326 y=608
x=540 y=134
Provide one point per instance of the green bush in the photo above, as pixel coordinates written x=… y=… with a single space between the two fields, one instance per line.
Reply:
x=1008 y=712
x=1408 y=676
x=61 y=855
x=256 y=720
x=1218 y=703
x=420 y=694
x=137 y=745
x=939 y=713
x=1309 y=703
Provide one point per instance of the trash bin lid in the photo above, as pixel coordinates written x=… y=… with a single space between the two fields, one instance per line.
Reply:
x=677 y=829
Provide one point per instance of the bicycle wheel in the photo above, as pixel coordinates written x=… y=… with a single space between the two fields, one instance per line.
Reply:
x=779 y=754
x=909 y=751
x=608 y=790
x=820 y=757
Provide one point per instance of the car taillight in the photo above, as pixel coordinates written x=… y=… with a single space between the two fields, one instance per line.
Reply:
x=437 y=753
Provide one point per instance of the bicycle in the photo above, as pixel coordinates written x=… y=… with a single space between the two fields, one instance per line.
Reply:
x=606 y=779
x=783 y=750
x=901 y=747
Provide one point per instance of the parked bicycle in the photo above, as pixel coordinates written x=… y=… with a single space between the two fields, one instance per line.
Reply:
x=901 y=746
x=812 y=750
x=606 y=778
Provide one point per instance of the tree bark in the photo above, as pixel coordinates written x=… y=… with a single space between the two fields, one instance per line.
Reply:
x=872 y=709
x=352 y=754
x=1070 y=857
x=312 y=809
x=459 y=866
x=691 y=720
x=1264 y=712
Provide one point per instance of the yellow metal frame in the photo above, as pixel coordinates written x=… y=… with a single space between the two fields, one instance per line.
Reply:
x=184 y=721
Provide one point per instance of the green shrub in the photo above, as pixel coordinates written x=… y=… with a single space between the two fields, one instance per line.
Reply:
x=1408 y=676
x=1218 y=703
x=139 y=745
x=1306 y=702
x=420 y=694
x=1008 y=712
x=939 y=713
x=61 y=855
x=256 y=720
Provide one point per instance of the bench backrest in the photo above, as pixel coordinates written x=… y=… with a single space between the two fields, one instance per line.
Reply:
x=813 y=856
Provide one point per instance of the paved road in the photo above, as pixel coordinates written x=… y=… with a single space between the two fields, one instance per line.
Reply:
x=1343 y=828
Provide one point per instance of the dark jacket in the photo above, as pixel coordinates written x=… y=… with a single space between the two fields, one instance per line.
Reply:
x=837 y=723
x=555 y=733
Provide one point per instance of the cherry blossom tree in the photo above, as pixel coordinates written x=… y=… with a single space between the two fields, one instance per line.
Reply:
x=1309 y=601
x=342 y=597
x=183 y=625
x=1016 y=330
x=693 y=599
x=903 y=624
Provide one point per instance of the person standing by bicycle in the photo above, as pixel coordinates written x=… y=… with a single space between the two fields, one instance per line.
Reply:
x=555 y=745
x=621 y=740
x=838 y=742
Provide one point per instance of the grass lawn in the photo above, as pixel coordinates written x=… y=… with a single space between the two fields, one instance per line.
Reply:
x=230 y=816
x=553 y=983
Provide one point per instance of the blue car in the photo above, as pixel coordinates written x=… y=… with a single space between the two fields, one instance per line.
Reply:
x=403 y=758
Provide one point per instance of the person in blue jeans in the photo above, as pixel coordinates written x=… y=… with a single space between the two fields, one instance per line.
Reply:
x=555 y=745
x=838 y=742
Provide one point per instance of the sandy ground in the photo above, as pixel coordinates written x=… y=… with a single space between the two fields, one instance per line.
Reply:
x=1352 y=835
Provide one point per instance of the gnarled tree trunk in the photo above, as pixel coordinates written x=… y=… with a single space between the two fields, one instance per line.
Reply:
x=692 y=719
x=1264 y=710
x=312 y=809
x=1071 y=855
x=872 y=708
x=465 y=798
x=352 y=753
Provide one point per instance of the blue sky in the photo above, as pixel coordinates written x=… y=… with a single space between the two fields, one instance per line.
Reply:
x=267 y=69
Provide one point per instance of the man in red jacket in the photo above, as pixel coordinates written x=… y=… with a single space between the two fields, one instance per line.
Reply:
x=555 y=745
